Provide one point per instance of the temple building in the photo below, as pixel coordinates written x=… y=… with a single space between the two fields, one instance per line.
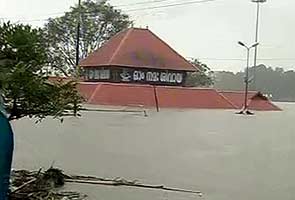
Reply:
x=137 y=68
x=136 y=55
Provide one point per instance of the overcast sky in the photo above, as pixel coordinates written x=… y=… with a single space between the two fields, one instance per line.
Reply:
x=208 y=31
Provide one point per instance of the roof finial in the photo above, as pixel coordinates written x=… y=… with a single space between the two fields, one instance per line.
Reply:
x=147 y=27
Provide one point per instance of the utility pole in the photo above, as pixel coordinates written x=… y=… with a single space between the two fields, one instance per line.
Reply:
x=156 y=98
x=76 y=74
x=256 y=39
x=78 y=35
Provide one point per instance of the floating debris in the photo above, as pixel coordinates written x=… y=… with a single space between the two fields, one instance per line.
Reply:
x=27 y=185
x=48 y=185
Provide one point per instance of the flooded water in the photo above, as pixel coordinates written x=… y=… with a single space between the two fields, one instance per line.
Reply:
x=226 y=156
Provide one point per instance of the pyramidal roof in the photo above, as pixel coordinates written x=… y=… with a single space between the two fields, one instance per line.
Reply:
x=137 y=48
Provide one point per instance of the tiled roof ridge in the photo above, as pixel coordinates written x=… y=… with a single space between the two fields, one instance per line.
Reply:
x=167 y=45
x=120 y=45
x=225 y=98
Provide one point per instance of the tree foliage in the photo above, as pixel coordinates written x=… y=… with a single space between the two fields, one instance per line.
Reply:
x=276 y=82
x=24 y=88
x=99 y=22
x=201 y=78
x=225 y=80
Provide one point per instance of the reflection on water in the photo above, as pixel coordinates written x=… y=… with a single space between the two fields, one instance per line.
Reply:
x=226 y=156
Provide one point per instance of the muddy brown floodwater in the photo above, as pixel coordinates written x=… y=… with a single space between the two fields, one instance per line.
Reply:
x=226 y=156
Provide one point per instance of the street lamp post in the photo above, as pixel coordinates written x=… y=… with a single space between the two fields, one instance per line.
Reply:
x=245 y=108
x=256 y=39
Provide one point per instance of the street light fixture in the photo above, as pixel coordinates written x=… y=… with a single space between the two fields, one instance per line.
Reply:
x=241 y=43
x=255 y=45
x=256 y=39
x=245 y=108
x=258 y=1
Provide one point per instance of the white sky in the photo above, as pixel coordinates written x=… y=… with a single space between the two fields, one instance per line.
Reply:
x=208 y=31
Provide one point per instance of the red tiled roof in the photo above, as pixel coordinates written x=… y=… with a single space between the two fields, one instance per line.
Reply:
x=237 y=97
x=86 y=90
x=143 y=95
x=138 y=48
x=256 y=100
x=168 y=97
x=121 y=95
x=263 y=105
x=177 y=97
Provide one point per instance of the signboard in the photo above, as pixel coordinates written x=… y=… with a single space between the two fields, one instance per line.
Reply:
x=97 y=74
x=151 y=76
x=130 y=75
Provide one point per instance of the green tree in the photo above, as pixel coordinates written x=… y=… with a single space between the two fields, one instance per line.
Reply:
x=24 y=88
x=203 y=77
x=275 y=82
x=99 y=22
x=229 y=81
